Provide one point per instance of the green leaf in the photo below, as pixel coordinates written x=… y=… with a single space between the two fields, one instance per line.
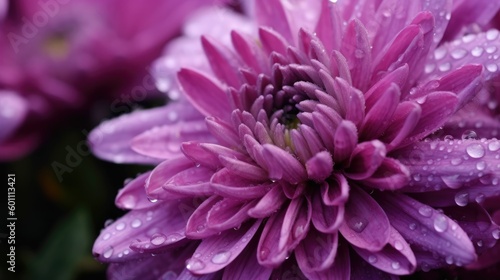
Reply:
x=67 y=245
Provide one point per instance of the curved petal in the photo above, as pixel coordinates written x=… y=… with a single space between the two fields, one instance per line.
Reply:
x=366 y=225
x=317 y=251
x=133 y=195
x=365 y=160
x=228 y=184
x=215 y=253
x=427 y=229
x=247 y=266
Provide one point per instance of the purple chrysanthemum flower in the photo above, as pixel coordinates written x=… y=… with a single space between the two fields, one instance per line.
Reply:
x=311 y=160
x=60 y=56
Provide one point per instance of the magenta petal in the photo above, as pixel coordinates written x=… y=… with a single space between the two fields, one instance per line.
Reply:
x=133 y=195
x=195 y=152
x=243 y=169
x=165 y=221
x=271 y=13
x=325 y=218
x=224 y=133
x=442 y=236
x=228 y=213
x=341 y=268
x=329 y=21
x=164 y=142
x=246 y=265
x=395 y=258
x=248 y=51
x=404 y=120
x=356 y=49
x=272 y=41
x=207 y=95
x=361 y=270
x=346 y=138
x=228 y=184
x=269 y=203
x=295 y=224
x=111 y=139
x=222 y=61
x=379 y=116
x=317 y=251
x=162 y=173
x=282 y=165
x=268 y=253
x=215 y=253
x=391 y=175
x=365 y=160
x=194 y=181
x=366 y=225
x=320 y=166
x=433 y=117
x=196 y=227
x=335 y=191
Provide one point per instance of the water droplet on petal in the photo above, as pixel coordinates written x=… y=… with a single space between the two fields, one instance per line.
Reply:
x=372 y=259
x=492 y=67
x=152 y=200
x=496 y=234
x=452 y=181
x=440 y=223
x=480 y=198
x=462 y=199
x=475 y=150
x=194 y=264
x=469 y=134
x=481 y=165
x=221 y=257
x=128 y=201
x=449 y=260
x=491 y=34
x=106 y=236
x=395 y=265
x=264 y=253
x=479 y=243
x=358 y=224
x=494 y=146
x=158 y=239
x=456 y=161
x=120 y=226
x=412 y=226
x=425 y=211
x=398 y=245
x=108 y=253
x=458 y=53
x=136 y=223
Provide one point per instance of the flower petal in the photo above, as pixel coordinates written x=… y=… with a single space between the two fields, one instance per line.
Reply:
x=366 y=225
x=163 y=172
x=282 y=165
x=206 y=95
x=365 y=160
x=325 y=218
x=228 y=184
x=247 y=266
x=317 y=251
x=442 y=236
x=269 y=203
x=215 y=253
x=132 y=196
x=320 y=166
x=228 y=213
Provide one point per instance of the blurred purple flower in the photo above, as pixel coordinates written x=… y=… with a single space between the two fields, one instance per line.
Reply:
x=60 y=56
x=311 y=160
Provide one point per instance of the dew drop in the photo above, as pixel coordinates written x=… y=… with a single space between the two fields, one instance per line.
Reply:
x=136 y=223
x=462 y=199
x=475 y=150
x=452 y=181
x=108 y=253
x=106 y=236
x=440 y=223
x=491 y=34
x=494 y=146
x=479 y=243
x=496 y=234
x=477 y=51
x=481 y=165
x=120 y=226
x=417 y=177
x=429 y=68
x=264 y=253
x=395 y=265
x=194 y=264
x=439 y=53
x=108 y=222
x=221 y=257
x=491 y=49
x=398 y=245
x=480 y=198
x=425 y=211
x=444 y=67
x=152 y=200
x=200 y=228
x=469 y=134
x=458 y=53
x=372 y=259
x=456 y=161
x=126 y=252
x=449 y=260
x=158 y=239
x=492 y=67
x=128 y=201
x=412 y=226
x=358 y=224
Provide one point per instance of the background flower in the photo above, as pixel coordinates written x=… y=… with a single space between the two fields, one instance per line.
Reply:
x=317 y=149
x=60 y=57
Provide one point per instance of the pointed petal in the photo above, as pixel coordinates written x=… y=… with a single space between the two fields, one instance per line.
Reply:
x=282 y=165
x=317 y=251
x=356 y=49
x=295 y=224
x=164 y=142
x=162 y=173
x=391 y=175
x=133 y=195
x=165 y=220
x=325 y=218
x=341 y=268
x=271 y=13
x=223 y=61
x=346 y=138
x=196 y=227
x=228 y=213
x=215 y=253
x=268 y=253
x=395 y=258
x=442 y=236
x=366 y=225
x=269 y=203
x=365 y=160
x=228 y=184
x=247 y=266
x=206 y=95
